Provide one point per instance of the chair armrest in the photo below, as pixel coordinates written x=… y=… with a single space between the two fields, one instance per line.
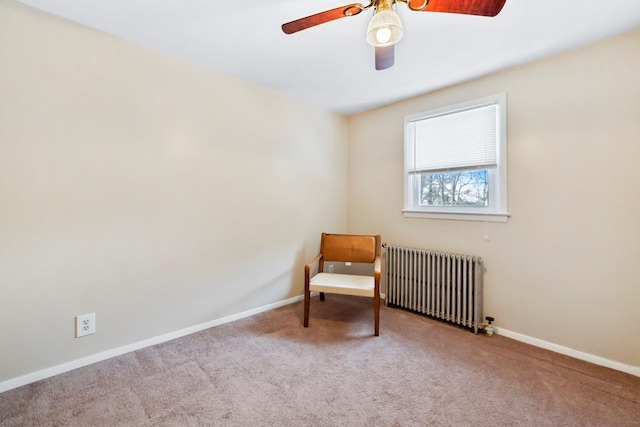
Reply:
x=376 y=273
x=307 y=267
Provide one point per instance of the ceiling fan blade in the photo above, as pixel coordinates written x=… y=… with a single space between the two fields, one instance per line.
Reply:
x=467 y=7
x=384 y=57
x=321 y=18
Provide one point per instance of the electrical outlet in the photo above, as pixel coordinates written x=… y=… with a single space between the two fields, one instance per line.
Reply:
x=348 y=264
x=85 y=324
x=330 y=268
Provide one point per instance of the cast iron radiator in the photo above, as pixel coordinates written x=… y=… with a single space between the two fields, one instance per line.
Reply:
x=446 y=286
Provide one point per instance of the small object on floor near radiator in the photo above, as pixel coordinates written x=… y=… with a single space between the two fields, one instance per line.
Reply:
x=489 y=328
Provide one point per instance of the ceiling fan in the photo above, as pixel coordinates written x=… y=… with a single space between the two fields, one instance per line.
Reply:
x=385 y=28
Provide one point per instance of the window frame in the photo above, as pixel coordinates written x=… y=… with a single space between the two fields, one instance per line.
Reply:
x=497 y=209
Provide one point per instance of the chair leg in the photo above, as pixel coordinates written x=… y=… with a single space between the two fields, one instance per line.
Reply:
x=376 y=314
x=307 y=300
x=321 y=296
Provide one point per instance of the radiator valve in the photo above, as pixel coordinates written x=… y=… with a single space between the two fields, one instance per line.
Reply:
x=488 y=329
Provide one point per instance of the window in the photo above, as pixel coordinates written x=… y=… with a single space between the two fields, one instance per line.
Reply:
x=456 y=162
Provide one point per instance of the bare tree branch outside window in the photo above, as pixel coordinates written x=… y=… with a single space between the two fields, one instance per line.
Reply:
x=462 y=188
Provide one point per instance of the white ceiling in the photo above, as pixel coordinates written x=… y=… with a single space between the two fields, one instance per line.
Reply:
x=331 y=65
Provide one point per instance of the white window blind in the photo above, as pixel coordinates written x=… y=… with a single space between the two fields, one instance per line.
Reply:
x=455 y=140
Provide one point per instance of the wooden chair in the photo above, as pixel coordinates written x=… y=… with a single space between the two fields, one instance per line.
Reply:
x=345 y=248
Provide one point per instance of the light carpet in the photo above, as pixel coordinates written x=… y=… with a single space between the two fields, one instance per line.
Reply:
x=267 y=370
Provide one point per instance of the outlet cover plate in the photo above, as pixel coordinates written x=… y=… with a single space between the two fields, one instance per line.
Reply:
x=85 y=324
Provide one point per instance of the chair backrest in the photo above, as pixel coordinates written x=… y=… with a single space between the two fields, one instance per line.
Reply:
x=350 y=247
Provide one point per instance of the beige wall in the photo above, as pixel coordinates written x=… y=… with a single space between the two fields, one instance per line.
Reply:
x=564 y=269
x=155 y=193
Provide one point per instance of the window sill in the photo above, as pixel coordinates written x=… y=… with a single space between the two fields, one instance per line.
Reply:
x=459 y=216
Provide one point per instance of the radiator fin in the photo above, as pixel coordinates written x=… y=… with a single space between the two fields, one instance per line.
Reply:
x=443 y=285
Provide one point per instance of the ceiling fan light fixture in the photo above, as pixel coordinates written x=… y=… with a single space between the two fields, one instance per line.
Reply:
x=385 y=28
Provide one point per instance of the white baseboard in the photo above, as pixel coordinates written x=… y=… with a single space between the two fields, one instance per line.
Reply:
x=78 y=363
x=597 y=360
x=99 y=357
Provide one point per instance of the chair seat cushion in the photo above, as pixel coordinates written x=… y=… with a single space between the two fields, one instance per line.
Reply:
x=346 y=284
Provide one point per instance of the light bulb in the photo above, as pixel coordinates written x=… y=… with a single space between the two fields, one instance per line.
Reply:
x=385 y=28
x=383 y=35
